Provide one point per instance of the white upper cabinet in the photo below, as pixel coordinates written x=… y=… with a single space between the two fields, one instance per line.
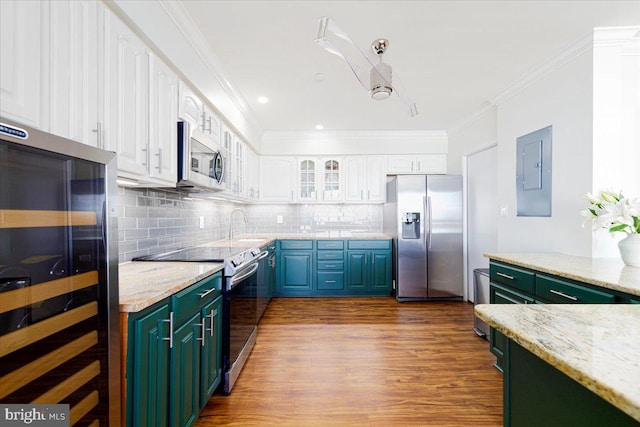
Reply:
x=21 y=42
x=227 y=144
x=126 y=120
x=210 y=123
x=252 y=174
x=418 y=164
x=319 y=179
x=163 y=123
x=73 y=78
x=365 y=178
x=278 y=179
x=190 y=107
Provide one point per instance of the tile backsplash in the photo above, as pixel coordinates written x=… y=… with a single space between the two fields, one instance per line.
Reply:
x=158 y=220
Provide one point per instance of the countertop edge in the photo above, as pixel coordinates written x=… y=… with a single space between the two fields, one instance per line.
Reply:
x=604 y=391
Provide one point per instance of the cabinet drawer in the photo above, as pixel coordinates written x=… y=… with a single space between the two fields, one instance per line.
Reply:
x=329 y=280
x=330 y=245
x=330 y=265
x=512 y=276
x=369 y=244
x=502 y=295
x=185 y=302
x=329 y=255
x=296 y=244
x=559 y=291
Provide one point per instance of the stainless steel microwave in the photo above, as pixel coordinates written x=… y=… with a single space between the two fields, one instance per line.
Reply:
x=200 y=162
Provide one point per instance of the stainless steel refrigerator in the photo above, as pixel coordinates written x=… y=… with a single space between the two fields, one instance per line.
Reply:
x=423 y=213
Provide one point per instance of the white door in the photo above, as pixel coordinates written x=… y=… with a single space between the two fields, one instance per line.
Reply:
x=277 y=179
x=482 y=210
x=73 y=76
x=355 y=179
x=21 y=95
x=126 y=97
x=163 y=129
x=376 y=178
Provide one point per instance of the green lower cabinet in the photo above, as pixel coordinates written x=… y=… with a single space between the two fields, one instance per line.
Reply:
x=185 y=373
x=295 y=273
x=537 y=394
x=369 y=272
x=211 y=351
x=502 y=295
x=148 y=372
x=174 y=357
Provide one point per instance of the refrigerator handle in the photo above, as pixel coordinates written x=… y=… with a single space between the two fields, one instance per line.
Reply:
x=427 y=209
x=430 y=220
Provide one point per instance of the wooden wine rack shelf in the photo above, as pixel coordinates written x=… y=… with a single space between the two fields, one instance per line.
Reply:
x=32 y=294
x=19 y=218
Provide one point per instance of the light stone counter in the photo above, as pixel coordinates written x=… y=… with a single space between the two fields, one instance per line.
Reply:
x=261 y=239
x=142 y=284
x=604 y=272
x=596 y=345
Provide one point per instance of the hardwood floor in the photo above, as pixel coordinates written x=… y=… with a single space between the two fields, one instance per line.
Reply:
x=363 y=362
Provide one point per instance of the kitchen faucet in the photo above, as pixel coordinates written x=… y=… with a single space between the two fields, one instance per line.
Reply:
x=244 y=215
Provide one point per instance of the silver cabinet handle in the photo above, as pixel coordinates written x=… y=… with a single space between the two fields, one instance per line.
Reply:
x=368 y=194
x=170 y=321
x=562 y=294
x=98 y=132
x=329 y=281
x=207 y=292
x=202 y=332
x=506 y=276
x=203 y=122
x=329 y=265
x=159 y=159
x=209 y=121
x=211 y=317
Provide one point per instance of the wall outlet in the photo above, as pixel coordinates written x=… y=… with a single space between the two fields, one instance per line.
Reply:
x=504 y=210
x=201 y=222
x=279 y=219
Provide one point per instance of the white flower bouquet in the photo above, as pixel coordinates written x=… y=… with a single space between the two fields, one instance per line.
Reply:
x=613 y=212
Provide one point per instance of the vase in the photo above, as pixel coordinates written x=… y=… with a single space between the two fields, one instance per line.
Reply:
x=630 y=250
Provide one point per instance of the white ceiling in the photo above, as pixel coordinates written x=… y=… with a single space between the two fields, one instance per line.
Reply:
x=452 y=57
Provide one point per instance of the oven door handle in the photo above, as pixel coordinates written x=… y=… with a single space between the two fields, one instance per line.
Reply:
x=262 y=255
x=240 y=278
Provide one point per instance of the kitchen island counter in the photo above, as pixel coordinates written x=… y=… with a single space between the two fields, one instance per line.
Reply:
x=596 y=345
x=609 y=273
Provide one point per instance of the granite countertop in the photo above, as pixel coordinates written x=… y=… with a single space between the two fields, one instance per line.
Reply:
x=608 y=273
x=597 y=345
x=142 y=284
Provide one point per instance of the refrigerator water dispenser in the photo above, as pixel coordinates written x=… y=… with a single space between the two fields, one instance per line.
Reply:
x=411 y=225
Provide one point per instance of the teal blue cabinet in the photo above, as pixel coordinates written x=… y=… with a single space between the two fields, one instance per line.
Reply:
x=343 y=267
x=185 y=372
x=369 y=270
x=211 y=351
x=295 y=267
x=148 y=367
x=174 y=356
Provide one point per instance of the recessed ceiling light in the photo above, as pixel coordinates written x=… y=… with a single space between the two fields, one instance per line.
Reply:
x=319 y=127
x=263 y=99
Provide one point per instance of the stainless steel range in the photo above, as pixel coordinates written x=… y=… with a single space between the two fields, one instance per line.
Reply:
x=239 y=295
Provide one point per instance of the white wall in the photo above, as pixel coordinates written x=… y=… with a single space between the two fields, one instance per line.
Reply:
x=562 y=99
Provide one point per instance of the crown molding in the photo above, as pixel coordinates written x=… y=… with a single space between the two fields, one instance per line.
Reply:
x=584 y=44
x=178 y=14
x=400 y=136
x=615 y=36
x=486 y=108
